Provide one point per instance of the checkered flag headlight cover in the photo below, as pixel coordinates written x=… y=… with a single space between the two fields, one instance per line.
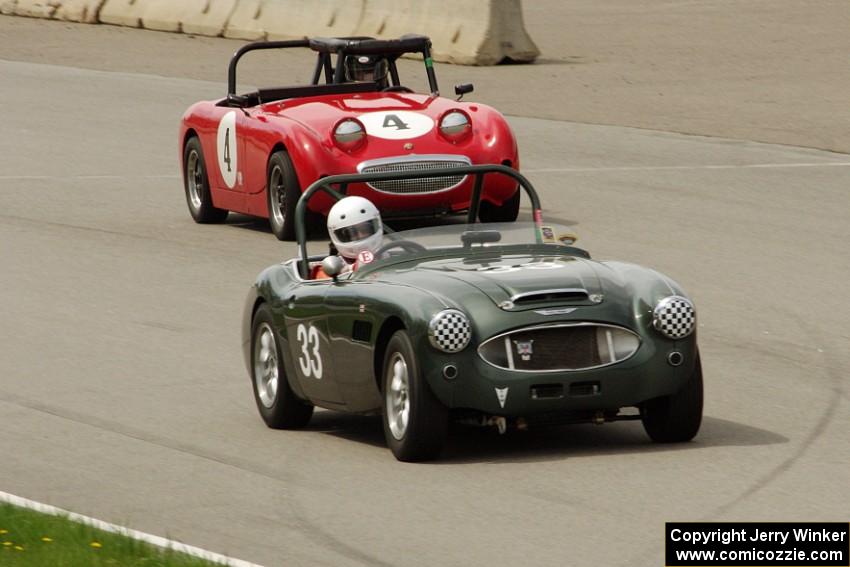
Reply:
x=449 y=330
x=674 y=317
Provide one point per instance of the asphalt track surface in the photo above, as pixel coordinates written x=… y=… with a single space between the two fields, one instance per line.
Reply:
x=123 y=395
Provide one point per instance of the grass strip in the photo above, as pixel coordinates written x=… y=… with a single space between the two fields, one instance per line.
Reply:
x=33 y=539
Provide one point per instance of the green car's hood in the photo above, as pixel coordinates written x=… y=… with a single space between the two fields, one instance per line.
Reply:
x=504 y=279
x=512 y=278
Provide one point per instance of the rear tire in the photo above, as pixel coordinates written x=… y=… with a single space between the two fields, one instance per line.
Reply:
x=279 y=407
x=676 y=418
x=282 y=194
x=196 y=184
x=415 y=422
x=506 y=212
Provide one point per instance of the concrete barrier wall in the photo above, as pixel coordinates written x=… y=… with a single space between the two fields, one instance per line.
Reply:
x=69 y=10
x=470 y=32
x=79 y=11
x=292 y=19
x=202 y=17
x=35 y=8
x=211 y=21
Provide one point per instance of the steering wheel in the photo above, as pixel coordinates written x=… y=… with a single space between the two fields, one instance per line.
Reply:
x=408 y=245
x=396 y=89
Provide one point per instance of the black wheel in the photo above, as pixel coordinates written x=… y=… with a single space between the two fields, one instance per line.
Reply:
x=279 y=407
x=415 y=422
x=282 y=192
x=506 y=212
x=197 y=185
x=676 y=418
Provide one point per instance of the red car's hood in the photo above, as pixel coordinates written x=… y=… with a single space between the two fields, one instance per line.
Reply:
x=392 y=116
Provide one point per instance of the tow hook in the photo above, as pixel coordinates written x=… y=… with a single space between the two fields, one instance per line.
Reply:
x=599 y=417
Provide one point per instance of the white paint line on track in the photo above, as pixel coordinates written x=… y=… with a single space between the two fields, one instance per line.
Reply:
x=683 y=167
x=53 y=177
x=115 y=529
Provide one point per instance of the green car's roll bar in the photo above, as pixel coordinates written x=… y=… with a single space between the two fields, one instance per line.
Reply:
x=344 y=180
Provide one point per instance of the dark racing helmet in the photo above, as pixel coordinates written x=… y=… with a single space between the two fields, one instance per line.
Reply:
x=366 y=68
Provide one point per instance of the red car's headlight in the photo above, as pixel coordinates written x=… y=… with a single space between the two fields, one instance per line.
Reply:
x=455 y=126
x=349 y=134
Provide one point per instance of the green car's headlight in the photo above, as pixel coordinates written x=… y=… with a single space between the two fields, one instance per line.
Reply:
x=449 y=330
x=674 y=317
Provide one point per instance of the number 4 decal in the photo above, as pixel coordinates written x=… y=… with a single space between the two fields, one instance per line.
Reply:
x=392 y=120
x=310 y=360
x=396 y=124
x=226 y=149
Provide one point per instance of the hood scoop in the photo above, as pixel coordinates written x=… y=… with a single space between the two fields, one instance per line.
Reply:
x=549 y=295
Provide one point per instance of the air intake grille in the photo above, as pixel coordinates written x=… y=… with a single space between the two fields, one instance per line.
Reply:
x=416 y=185
x=547 y=391
x=564 y=347
x=550 y=295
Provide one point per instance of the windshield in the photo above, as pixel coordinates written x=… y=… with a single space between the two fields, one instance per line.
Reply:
x=473 y=237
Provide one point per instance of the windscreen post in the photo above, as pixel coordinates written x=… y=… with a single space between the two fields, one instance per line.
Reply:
x=475 y=200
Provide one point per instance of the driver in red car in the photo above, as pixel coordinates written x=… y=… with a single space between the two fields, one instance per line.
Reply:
x=356 y=231
x=367 y=68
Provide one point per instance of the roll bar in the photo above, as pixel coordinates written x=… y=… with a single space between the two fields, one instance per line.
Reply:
x=344 y=180
x=231 y=69
x=343 y=46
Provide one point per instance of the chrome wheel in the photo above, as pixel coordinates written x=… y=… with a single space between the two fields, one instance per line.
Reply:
x=194 y=179
x=398 y=396
x=277 y=196
x=265 y=365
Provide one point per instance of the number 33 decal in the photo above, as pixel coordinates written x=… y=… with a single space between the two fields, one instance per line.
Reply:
x=310 y=360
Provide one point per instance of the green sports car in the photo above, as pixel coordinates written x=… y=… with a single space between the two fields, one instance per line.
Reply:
x=503 y=324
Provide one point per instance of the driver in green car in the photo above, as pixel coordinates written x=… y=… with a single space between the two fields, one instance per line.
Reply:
x=356 y=231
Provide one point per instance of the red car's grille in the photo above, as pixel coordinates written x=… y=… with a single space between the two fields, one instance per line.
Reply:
x=416 y=185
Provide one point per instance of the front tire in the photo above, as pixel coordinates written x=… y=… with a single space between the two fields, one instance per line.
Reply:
x=506 y=212
x=279 y=407
x=282 y=194
x=415 y=422
x=676 y=418
x=196 y=184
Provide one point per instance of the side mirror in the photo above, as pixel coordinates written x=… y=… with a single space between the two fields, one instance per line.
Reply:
x=463 y=88
x=332 y=266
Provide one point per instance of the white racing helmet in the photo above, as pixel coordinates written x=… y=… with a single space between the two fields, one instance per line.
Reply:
x=354 y=225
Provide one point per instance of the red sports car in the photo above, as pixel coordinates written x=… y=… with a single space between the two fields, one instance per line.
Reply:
x=253 y=153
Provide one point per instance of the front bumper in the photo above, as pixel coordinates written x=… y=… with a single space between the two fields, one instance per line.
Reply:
x=481 y=387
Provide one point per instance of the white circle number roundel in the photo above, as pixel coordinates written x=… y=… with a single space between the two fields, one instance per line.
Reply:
x=226 y=148
x=396 y=124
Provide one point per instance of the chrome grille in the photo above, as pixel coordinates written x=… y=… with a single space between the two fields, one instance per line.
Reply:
x=563 y=347
x=418 y=184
